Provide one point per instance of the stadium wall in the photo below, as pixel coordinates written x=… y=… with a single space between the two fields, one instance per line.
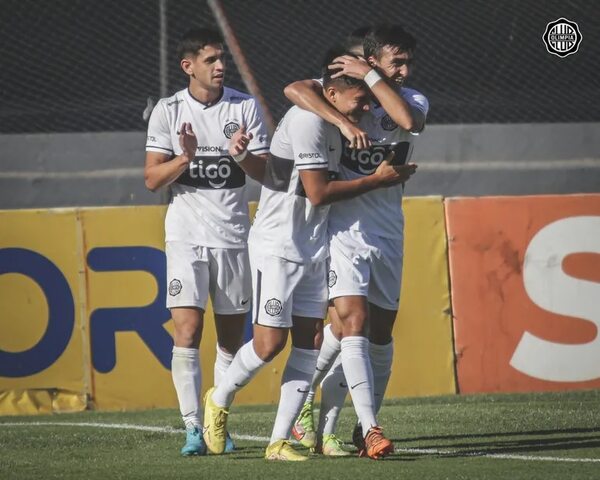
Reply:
x=83 y=322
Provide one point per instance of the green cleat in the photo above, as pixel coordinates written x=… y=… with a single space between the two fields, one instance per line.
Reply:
x=304 y=428
x=215 y=424
x=333 y=446
x=282 y=450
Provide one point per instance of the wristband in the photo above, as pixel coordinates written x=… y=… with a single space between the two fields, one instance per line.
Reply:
x=372 y=78
x=240 y=158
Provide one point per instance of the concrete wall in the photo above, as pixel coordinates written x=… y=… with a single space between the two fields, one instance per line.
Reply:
x=97 y=169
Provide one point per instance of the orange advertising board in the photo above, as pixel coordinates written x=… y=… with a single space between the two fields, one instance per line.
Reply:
x=525 y=276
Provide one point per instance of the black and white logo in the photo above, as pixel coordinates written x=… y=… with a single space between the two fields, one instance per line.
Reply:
x=273 y=307
x=213 y=172
x=562 y=37
x=175 y=287
x=302 y=156
x=388 y=124
x=230 y=128
x=366 y=161
x=331 y=278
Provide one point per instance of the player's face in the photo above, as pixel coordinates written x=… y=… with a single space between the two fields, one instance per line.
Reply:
x=208 y=67
x=393 y=63
x=352 y=102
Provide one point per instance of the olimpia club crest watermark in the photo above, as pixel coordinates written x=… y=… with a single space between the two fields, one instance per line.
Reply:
x=562 y=37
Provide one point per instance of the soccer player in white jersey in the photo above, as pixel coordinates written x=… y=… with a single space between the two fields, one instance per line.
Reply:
x=366 y=242
x=207 y=223
x=288 y=252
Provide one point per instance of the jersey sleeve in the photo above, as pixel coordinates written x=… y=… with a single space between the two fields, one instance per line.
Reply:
x=416 y=100
x=255 y=124
x=308 y=135
x=159 y=135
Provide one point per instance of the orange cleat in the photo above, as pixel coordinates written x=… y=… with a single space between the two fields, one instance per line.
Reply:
x=376 y=445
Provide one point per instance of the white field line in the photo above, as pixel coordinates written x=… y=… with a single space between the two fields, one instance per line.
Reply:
x=255 y=438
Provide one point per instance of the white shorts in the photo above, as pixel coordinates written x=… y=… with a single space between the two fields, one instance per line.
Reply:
x=364 y=265
x=282 y=289
x=194 y=271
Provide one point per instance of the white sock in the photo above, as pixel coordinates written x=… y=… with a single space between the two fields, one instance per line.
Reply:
x=333 y=393
x=222 y=362
x=295 y=383
x=381 y=361
x=244 y=366
x=187 y=378
x=359 y=376
x=328 y=354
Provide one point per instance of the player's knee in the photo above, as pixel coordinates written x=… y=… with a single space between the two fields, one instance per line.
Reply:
x=187 y=337
x=354 y=323
x=268 y=350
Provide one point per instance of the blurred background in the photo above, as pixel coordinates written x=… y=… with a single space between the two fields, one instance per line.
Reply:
x=506 y=116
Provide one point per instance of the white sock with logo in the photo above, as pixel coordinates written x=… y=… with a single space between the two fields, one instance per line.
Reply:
x=359 y=376
x=187 y=378
x=295 y=383
x=330 y=351
x=244 y=366
x=381 y=361
x=222 y=362
x=333 y=393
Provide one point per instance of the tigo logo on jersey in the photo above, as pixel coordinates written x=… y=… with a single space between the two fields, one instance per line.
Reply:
x=562 y=37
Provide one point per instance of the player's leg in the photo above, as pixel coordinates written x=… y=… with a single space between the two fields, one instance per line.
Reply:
x=384 y=297
x=349 y=293
x=273 y=280
x=333 y=393
x=230 y=290
x=304 y=430
x=309 y=306
x=295 y=383
x=187 y=272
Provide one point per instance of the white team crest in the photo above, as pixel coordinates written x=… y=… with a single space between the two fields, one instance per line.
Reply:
x=230 y=128
x=175 y=287
x=273 y=307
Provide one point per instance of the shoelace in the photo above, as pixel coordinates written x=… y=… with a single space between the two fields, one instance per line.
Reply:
x=220 y=422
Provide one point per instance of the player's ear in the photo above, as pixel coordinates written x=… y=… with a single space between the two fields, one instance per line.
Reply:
x=371 y=60
x=186 y=66
x=330 y=93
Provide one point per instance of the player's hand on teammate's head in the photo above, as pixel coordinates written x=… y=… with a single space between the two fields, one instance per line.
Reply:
x=187 y=140
x=239 y=141
x=358 y=138
x=349 y=66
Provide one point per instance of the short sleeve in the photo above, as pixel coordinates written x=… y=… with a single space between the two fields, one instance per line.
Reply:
x=255 y=124
x=308 y=134
x=159 y=134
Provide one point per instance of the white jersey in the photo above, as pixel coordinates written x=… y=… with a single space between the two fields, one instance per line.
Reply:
x=208 y=205
x=378 y=212
x=287 y=225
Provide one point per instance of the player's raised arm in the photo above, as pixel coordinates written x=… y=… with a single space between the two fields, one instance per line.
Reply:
x=307 y=94
x=162 y=168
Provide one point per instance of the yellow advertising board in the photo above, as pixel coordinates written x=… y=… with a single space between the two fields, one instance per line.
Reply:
x=42 y=344
x=423 y=350
x=118 y=352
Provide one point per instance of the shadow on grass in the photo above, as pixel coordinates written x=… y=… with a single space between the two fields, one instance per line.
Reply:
x=501 y=443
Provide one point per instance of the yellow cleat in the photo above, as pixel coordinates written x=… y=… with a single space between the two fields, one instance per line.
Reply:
x=282 y=450
x=215 y=424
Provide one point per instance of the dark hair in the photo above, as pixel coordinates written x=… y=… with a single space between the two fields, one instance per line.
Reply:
x=393 y=35
x=344 y=81
x=357 y=37
x=196 y=39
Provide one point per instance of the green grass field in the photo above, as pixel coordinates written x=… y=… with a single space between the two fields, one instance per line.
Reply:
x=529 y=436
